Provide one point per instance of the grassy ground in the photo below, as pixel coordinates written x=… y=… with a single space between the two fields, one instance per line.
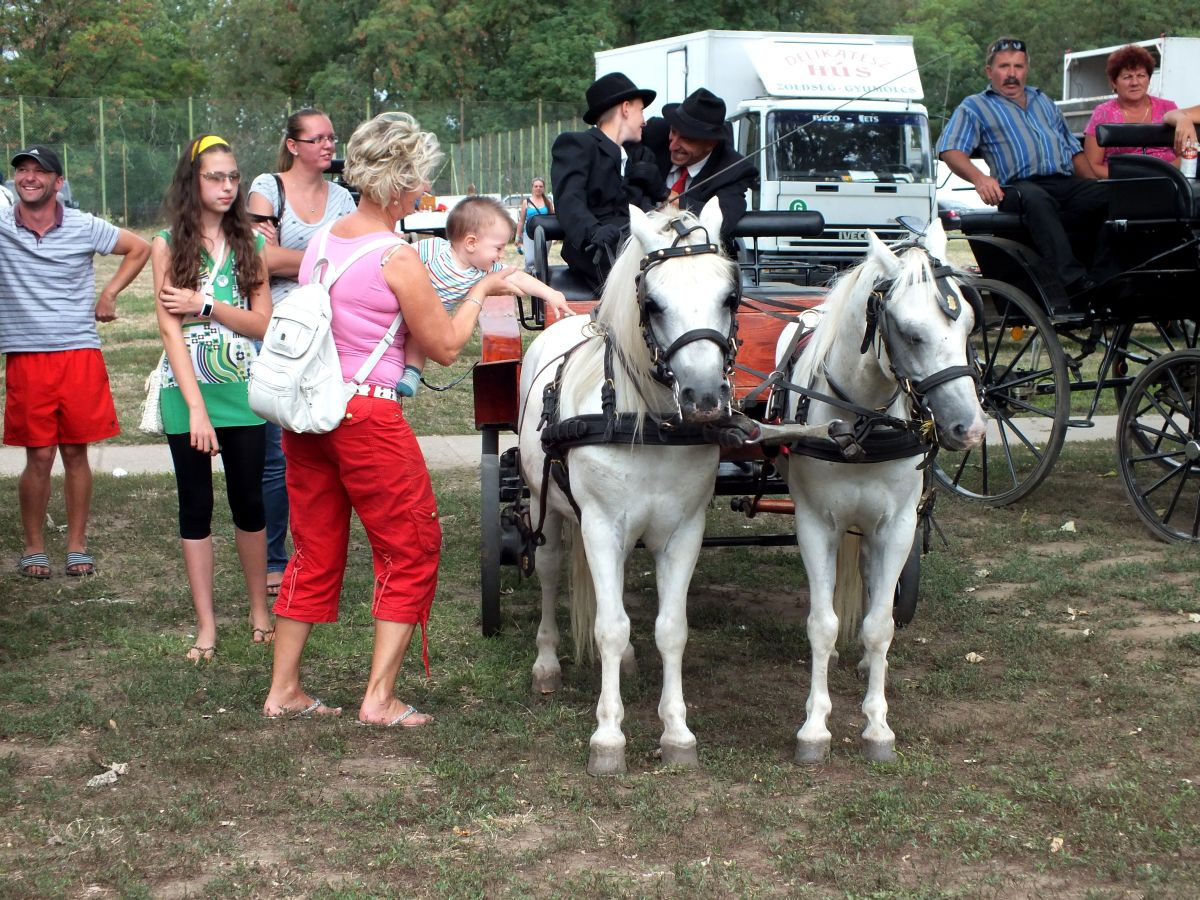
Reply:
x=1061 y=763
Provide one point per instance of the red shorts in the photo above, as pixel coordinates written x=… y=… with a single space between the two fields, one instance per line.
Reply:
x=370 y=464
x=57 y=398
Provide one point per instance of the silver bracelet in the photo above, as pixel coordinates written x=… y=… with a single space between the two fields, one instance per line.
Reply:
x=478 y=303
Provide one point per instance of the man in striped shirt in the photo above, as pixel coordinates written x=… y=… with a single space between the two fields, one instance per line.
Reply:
x=57 y=398
x=1037 y=166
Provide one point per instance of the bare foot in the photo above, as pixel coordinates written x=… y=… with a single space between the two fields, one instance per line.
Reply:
x=298 y=706
x=396 y=714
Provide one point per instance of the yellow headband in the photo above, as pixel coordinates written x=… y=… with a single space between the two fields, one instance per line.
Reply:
x=209 y=140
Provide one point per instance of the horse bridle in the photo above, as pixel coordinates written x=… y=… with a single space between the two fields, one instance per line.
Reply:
x=878 y=322
x=660 y=357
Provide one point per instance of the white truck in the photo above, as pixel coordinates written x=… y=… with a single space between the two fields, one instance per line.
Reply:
x=833 y=121
x=1085 y=83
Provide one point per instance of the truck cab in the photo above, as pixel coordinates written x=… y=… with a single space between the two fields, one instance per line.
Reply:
x=860 y=164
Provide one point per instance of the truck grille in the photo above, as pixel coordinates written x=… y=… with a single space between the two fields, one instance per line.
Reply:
x=840 y=245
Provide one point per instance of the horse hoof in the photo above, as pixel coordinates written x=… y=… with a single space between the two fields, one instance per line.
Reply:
x=880 y=751
x=812 y=753
x=605 y=761
x=680 y=755
x=548 y=683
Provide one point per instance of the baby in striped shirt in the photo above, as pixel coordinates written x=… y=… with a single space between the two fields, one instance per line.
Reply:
x=477 y=231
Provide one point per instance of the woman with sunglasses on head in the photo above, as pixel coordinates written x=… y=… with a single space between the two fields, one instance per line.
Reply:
x=213 y=302
x=287 y=221
x=371 y=463
x=538 y=203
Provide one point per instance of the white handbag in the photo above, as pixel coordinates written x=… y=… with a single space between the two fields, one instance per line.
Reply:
x=152 y=422
x=296 y=380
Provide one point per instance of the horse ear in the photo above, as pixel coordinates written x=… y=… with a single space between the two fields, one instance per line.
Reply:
x=878 y=250
x=935 y=240
x=711 y=219
x=640 y=227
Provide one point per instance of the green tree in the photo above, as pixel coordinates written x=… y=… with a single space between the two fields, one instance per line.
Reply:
x=85 y=48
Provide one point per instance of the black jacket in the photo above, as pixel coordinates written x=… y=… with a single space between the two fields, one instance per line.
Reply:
x=590 y=193
x=727 y=175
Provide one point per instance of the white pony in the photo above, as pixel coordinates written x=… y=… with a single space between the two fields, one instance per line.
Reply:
x=663 y=332
x=916 y=324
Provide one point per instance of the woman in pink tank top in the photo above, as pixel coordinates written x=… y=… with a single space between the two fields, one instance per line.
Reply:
x=371 y=463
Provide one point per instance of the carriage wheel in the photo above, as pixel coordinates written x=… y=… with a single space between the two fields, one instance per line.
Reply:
x=1026 y=395
x=491 y=543
x=1158 y=446
x=1138 y=350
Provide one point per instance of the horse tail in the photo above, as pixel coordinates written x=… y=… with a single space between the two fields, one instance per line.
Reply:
x=583 y=595
x=849 y=591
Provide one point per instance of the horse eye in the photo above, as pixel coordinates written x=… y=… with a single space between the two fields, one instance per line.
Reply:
x=732 y=301
x=653 y=307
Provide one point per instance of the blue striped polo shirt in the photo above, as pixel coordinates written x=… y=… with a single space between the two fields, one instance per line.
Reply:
x=1017 y=143
x=48 y=284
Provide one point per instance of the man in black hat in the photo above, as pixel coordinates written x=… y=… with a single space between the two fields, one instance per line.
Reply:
x=58 y=399
x=692 y=147
x=598 y=173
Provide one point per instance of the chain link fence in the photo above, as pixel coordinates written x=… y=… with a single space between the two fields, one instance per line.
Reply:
x=119 y=154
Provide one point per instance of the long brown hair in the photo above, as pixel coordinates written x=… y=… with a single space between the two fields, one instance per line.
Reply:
x=291 y=131
x=183 y=217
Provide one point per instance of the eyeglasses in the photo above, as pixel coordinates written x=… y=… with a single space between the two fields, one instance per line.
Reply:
x=221 y=177
x=319 y=139
x=1007 y=44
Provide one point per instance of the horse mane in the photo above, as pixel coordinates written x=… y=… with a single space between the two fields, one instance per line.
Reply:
x=842 y=311
x=619 y=317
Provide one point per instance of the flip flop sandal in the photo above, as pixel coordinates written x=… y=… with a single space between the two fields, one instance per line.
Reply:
x=398 y=722
x=262 y=635
x=203 y=654
x=80 y=564
x=312 y=711
x=273 y=587
x=33 y=561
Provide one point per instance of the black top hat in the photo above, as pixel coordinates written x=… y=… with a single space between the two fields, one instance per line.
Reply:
x=43 y=156
x=701 y=116
x=609 y=90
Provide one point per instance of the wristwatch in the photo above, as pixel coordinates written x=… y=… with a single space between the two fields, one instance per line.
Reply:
x=206 y=309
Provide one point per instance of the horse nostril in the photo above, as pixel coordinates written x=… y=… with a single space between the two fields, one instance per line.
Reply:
x=688 y=396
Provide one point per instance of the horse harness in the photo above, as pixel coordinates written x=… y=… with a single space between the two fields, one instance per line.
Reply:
x=611 y=427
x=874 y=436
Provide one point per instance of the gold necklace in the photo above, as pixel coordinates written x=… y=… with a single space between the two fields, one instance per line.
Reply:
x=1144 y=117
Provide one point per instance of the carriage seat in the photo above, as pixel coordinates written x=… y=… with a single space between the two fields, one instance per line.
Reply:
x=1145 y=187
x=989 y=221
x=753 y=225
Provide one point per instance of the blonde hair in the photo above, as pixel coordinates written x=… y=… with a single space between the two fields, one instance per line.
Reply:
x=390 y=155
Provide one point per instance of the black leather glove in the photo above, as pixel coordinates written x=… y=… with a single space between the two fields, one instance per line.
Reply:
x=606 y=236
x=644 y=176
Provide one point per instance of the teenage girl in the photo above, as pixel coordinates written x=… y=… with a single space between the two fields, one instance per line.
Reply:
x=213 y=301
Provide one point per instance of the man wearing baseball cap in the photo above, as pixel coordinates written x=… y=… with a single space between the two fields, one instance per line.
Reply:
x=691 y=144
x=598 y=173
x=57 y=398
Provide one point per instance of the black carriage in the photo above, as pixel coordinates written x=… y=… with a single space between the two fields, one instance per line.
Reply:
x=1134 y=333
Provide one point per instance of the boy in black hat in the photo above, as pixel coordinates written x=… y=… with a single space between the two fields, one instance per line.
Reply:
x=691 y=145
x=598 y=173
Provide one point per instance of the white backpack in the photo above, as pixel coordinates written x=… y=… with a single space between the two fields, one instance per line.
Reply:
x=296 y=381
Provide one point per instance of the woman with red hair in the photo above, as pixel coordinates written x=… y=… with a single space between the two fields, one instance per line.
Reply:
x=1129 y=70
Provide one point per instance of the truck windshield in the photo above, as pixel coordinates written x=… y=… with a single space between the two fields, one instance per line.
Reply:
x=848 y=146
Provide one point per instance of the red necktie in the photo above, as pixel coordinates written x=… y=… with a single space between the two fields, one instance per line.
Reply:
x=680 y=182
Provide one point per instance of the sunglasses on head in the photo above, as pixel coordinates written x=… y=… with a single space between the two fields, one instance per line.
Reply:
x=1007 y=44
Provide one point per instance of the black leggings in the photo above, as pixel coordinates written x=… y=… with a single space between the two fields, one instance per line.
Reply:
x=242 y=449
